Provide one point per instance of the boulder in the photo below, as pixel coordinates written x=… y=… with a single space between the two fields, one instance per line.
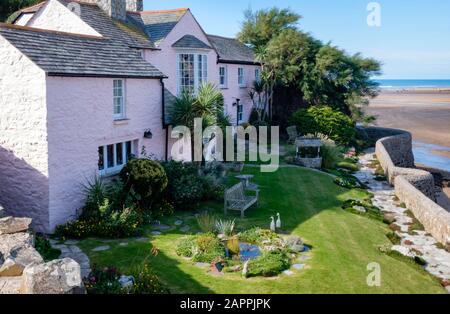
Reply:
x=56 y=277
x=10 y=242
x=10 y=225
x=19 y=258
x=389 y=218
x=295 y=244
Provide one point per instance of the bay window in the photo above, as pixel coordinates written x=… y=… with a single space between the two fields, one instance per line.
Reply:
x=112 y=158
x=192 y=71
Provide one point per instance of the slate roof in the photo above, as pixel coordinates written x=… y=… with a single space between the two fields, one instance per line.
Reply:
x=169 y=102
x=65 y=54
x=126 y=32
x=157 y=24
x=189 y=41
x=230 y=50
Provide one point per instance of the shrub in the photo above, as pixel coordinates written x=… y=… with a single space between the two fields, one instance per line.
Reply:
x=331 y=155
x=348 y=166
x=334 y=124
x=206 y=222
x=43 y=246
x=208 y=248
x=103 y=281
x=225 y=227
x=146 y=282
x=147 y=178
x=346 y=182
x=269 y=264
x=257 y=235
x=186 y=247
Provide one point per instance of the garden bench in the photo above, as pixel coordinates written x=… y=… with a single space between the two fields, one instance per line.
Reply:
x=293 y=134
x=235 y=199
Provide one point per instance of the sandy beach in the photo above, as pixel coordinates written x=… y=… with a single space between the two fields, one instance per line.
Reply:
x=426 y=114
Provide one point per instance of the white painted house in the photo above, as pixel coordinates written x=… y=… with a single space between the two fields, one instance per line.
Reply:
x=86 y=85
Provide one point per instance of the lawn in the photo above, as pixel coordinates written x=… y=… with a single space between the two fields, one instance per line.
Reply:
x=309 y=203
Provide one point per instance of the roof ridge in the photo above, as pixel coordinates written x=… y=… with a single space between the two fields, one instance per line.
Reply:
x=159 y=11
x=224 y=37
x=37 y=5
x=42 y=30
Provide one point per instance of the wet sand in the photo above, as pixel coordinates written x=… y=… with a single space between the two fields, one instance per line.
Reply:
x=426 y=114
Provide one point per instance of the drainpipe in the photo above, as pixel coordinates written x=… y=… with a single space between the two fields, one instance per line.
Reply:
x=163 y=106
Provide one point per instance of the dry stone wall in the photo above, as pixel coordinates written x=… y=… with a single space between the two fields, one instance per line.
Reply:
x=414 y=187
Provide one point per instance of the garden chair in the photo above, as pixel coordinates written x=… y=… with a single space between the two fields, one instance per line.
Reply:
x=235 y=199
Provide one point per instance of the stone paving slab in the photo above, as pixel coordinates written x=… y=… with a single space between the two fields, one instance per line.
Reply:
x=420 y=243
x=10 y=285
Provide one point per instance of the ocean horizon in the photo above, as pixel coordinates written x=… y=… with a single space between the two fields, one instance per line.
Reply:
x=417 y=83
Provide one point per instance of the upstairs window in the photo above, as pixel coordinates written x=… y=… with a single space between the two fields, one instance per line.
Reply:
x=257 y=75
x=241 y=77
x=192 y=71
x=119 y=99
x=223 y=77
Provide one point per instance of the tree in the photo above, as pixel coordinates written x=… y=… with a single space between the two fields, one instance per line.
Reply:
x=300 y=68
x=8 y=7
x=207 y=104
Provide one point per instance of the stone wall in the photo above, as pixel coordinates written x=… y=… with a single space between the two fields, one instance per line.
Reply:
x=414 y=187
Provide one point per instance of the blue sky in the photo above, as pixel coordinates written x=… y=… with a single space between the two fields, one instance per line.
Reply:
x=412 y=42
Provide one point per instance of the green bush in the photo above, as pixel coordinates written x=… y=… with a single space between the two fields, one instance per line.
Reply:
x=103 y=281
x=43 y=246
x=146 y=282
x=256 y=235
x=331 y=155
x=147 y=178
x=324 y=120
x=269 y=264
x=348 y=166
x=186 y=247
x=208 y=249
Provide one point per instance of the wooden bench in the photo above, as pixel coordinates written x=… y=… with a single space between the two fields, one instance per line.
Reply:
x=235 y=199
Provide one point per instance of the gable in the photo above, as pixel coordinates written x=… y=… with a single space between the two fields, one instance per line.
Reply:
x=56 y=16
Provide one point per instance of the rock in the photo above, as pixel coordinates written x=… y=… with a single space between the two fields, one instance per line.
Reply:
x=389 y=218
x=101 y=248
x=202 y=265
x=178 y=222
x=288 y=272
x=185 y=229
x=9 y=242
x=156 y=233
x=56 y=277
x=403 y=250
x=123 y=244
x=236 y=268
x=295 y=244
x=298 y=266
x=162 y=227
x=360 y=209
x=18 y=259
x=11 y=269
x=71 y=242
x=10 y=225
x=304 y=258
x=10 y=285
x=143 y=239
x=127 y=283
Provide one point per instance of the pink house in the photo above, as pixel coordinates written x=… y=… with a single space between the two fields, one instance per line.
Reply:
x=86 y=85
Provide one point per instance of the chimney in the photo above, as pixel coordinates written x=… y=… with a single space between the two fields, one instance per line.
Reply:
x=116 y=9
x=135 y=5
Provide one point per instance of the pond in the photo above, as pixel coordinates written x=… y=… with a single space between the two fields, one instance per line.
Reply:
x=245 y=251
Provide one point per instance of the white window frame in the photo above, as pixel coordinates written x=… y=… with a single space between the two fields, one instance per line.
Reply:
x=200 y=70
x=224 y=76
x=241 y=77
x=116 y=168
x=257 y=74
x=120 y=115
x=240 y=113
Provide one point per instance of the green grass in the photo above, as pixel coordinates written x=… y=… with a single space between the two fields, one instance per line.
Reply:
x=310 y=207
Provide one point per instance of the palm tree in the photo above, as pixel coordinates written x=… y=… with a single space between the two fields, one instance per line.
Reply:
x=207 y=104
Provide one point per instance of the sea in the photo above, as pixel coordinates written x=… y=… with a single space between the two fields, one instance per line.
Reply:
x=407 y=84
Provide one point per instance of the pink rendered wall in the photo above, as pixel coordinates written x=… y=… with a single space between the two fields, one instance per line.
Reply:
x=80 y=119
x=233 y=90
x=23 y=137
x=166 y=59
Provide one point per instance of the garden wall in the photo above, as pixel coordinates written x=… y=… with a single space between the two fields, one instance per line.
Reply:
x=414 y=187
